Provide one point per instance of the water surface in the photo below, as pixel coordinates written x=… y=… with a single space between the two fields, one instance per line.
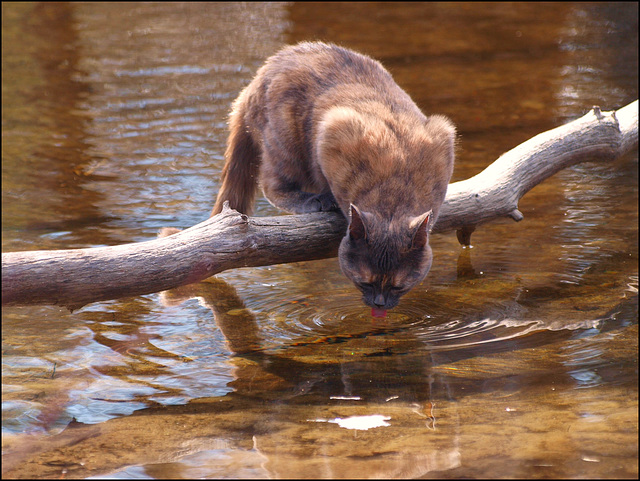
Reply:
x=515 y=358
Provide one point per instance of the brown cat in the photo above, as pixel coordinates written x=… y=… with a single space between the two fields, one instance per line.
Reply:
x=325 y=128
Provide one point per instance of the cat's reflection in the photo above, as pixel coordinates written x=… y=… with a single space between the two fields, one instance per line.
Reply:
x=237 y=323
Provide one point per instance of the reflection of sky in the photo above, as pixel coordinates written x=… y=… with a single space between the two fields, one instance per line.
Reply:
x=170 y=362
x=359 y=423
x=585 y=378
x=583 y=357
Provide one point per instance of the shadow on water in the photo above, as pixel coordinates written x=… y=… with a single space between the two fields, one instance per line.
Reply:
x=514 y=358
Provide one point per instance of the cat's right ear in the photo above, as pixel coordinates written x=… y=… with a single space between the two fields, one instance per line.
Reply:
x=357 y=229
x=420 y=226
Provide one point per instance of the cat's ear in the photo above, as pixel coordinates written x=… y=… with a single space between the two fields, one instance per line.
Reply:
x=357 y=229
x=420 y=230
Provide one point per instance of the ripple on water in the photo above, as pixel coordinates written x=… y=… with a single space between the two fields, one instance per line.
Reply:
x=342 y=316
x=313 y=304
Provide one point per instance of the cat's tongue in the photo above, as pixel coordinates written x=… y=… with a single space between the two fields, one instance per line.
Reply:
x=375 y=312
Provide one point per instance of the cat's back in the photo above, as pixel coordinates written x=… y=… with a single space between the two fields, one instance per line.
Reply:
x=306 y=71
x=325 y=64
x=296 y=85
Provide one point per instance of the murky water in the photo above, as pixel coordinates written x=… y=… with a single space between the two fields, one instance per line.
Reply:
x=516 y=358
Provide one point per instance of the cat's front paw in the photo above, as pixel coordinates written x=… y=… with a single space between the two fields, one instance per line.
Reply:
x=324 y=202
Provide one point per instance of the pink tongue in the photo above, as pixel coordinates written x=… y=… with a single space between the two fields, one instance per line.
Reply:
x=378 y=312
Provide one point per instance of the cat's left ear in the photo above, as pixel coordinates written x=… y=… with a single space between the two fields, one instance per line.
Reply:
x=420 y=230
x=357 y=229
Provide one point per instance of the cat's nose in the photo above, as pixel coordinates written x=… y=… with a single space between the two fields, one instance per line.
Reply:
x=380 y=301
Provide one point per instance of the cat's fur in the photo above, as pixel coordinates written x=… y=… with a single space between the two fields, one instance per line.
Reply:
x=321 y=127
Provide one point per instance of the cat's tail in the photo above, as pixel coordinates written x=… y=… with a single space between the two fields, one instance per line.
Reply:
x=240 y=173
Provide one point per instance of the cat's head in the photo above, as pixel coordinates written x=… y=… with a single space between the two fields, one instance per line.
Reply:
x=385 y=259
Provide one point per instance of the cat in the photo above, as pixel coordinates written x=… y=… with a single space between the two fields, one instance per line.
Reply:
x=323 y=128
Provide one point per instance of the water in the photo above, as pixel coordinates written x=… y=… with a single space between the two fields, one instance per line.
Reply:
x=515 y=358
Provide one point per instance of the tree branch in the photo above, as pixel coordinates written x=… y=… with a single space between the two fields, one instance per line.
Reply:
x=73 y=278
x=496 y=191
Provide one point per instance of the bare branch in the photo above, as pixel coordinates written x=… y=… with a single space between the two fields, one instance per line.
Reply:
x=73 y=278
x=496 y=191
